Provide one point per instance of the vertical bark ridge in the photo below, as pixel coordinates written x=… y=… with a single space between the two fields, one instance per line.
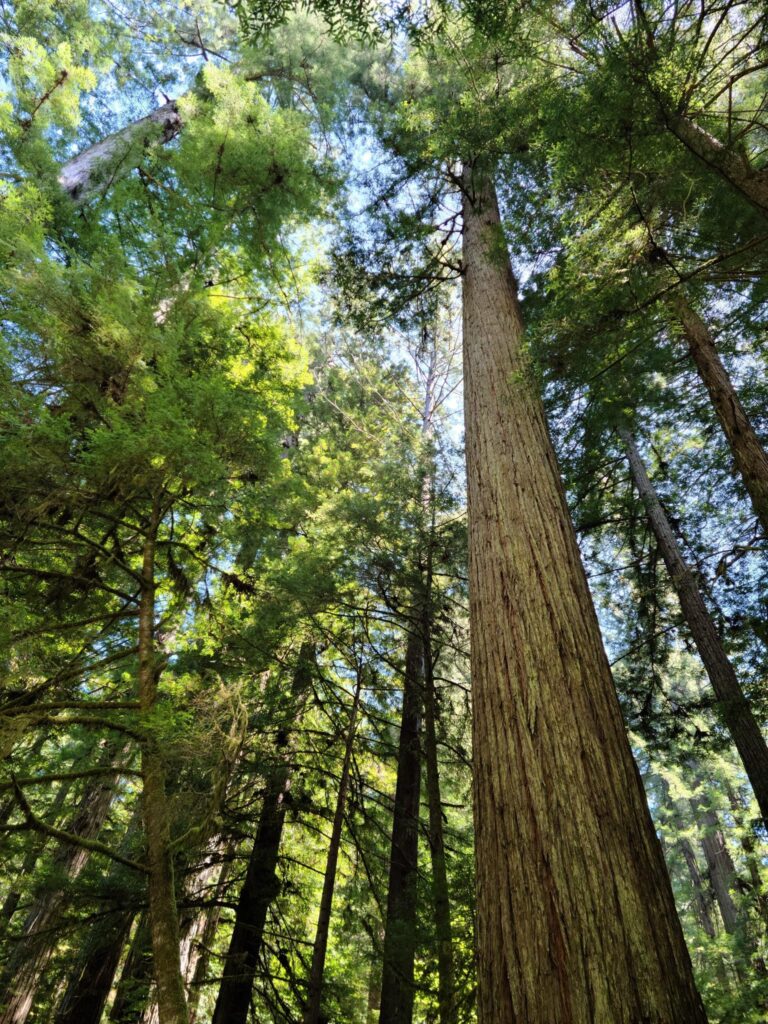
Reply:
x=576 y=919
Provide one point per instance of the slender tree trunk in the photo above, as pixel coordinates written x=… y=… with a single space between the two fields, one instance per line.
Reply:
x=748 y=453
x=748 y=845
x=701 y=896
x=440 y=894
x=315 y=988
x=576 y=919
x=397 y=982
x=163 y=913
x=733 y=705
x=136 y=977
x=38 y=940
x=261 y=884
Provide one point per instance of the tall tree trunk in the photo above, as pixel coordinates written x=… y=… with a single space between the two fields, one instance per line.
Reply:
x=38 y=940
x=733 y=705
x=576 y=919
x=136 y=977
x=749 y=846
x=315 y=987
x=440 y=894
x=261 y=884
x=201 y=953
x=720 y=866
x=748 y=453
x=163 y=913
x=91 y=978
x=88 y=990
x=397 y=982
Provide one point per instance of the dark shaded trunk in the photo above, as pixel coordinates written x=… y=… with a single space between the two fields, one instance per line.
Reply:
x=88 y=990
x=38 y=940
x=576 y=920
x=440 y=894
x=315 y=988
x=732 y=704
x=163 y=913
x=748 y=453
x=261 y=884
x=11 y=901
x=136 y=977
x=397 y=981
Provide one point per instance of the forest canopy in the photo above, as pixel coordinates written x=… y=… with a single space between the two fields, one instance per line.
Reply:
x=384 y=520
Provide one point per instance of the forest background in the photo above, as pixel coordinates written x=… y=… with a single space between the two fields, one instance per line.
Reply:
x=255 y=261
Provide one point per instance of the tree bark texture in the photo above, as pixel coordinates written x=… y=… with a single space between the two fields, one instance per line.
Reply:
x=397 y=981
x=317 y=969
x=733 y=705
x=163 y=912
x=576 y=918
x=261 y=884
x=720 y=866
x=748 y=453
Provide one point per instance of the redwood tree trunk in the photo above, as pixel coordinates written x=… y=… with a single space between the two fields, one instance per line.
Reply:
x=200 y=956
x=720 y=866
x=397 y=983
x=315 y=988
x=733 y=705
x=576 y=919
x=748 y=453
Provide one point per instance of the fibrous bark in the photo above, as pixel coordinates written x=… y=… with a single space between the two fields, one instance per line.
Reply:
x=733 y=165
x=576 y=919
